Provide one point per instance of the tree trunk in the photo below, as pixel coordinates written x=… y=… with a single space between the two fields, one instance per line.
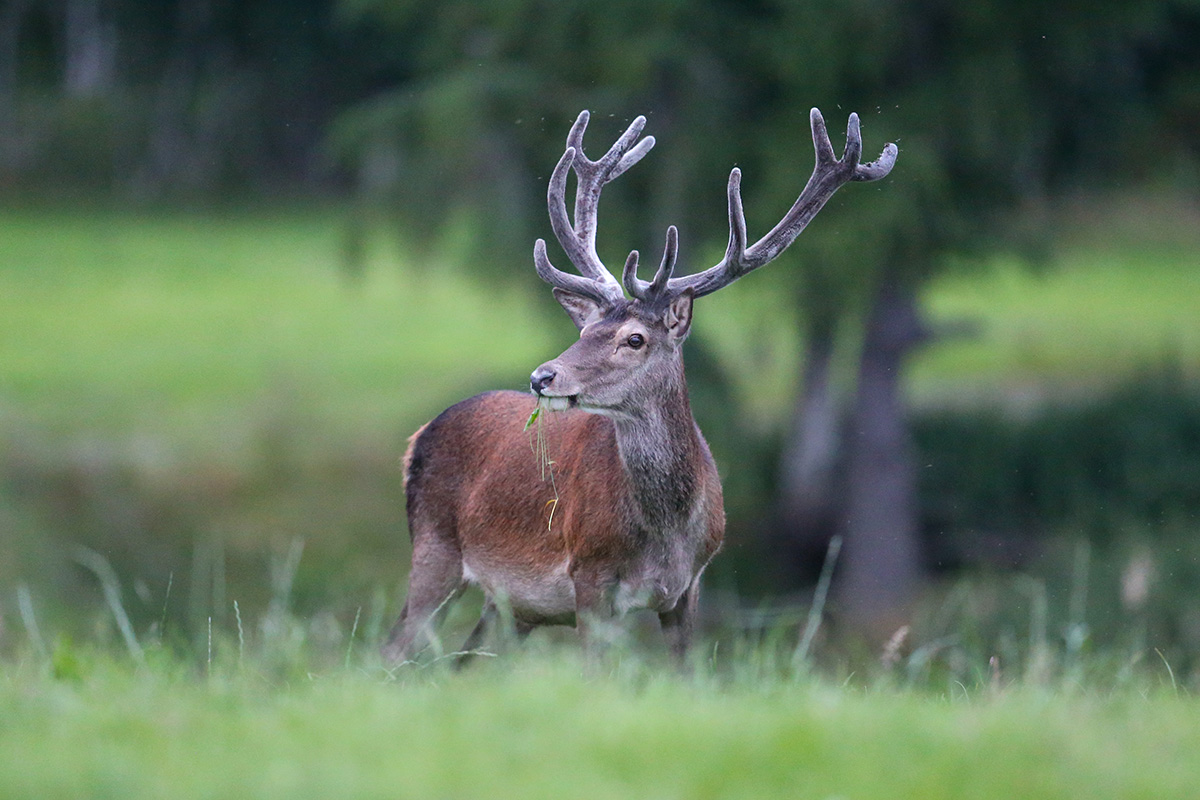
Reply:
x=881 y=557
x=90 y=50
x=807 y=468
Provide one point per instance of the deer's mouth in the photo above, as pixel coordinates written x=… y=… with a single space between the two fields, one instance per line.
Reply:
x=558 y=402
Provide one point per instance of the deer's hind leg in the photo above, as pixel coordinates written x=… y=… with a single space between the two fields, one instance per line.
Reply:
x=435 y=581
x=488 y=620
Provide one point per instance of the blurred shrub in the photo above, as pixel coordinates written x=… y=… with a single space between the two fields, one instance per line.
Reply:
x=1128 y=459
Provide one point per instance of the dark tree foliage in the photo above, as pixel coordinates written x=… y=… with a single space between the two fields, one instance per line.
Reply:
x=184 y=99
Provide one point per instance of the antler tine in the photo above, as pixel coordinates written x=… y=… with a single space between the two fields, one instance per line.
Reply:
x=736 y=250
x=667 y=266
x=578 y=252
x=578 y=237
x=632 y=157
x=820 y=136
x=635 y=287
x=829 y=174
x=853 y=152
x=880 y=167
x=575 y=135
x=597 y=290
x=651 y=291
x=615 y=153
x=873 y=170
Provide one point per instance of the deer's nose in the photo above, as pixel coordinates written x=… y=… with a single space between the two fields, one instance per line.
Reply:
x=542 y=377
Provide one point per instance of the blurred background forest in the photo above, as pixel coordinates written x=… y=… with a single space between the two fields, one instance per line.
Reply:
x=247 y=247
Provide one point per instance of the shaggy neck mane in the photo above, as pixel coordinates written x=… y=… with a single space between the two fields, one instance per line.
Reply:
x=659 y=447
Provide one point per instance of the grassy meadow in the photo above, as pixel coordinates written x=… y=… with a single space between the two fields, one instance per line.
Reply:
x=217 y=404
x=533 y=728
x=191 y=327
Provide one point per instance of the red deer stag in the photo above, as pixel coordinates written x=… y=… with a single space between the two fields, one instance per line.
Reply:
x=631 y=512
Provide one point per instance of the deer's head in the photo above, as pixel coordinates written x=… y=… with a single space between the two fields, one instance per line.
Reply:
x=629 y=347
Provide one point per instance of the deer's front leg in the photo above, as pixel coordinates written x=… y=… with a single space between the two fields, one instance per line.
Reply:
x=594 y=611
x=679 y=623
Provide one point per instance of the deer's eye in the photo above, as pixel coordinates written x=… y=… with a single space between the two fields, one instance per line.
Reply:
x=635 y=341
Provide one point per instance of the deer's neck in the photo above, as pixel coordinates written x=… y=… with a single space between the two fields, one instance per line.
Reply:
x=661 y=450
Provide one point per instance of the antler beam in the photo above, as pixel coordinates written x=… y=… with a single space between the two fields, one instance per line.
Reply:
x=829 y=174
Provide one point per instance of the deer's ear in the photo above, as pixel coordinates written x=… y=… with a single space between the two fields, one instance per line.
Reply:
x=582 y=310
x=678 y=317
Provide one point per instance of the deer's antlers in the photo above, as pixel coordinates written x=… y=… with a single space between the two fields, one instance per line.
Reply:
x=579 y=239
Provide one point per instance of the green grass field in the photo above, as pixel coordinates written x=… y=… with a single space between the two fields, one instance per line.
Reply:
x=533 y=728
x=187 y=349
x=1096 y=316
x=191 y=327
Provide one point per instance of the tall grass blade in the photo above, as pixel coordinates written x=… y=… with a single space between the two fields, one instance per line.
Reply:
x=1037 y=668
x=1170 y=672
x=25 y=608
x=162 y=622
x=283 y=575
x=104 y=572
x=237 y=614
x=815 y=613
x=353 y=630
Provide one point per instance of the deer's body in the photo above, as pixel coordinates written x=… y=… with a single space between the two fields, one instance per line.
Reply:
x=527 y=537
x=622 y=510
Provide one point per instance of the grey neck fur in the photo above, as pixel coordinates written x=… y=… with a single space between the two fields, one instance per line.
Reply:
x=659 y=446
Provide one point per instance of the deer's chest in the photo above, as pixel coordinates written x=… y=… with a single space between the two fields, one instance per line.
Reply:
x=658 y=575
